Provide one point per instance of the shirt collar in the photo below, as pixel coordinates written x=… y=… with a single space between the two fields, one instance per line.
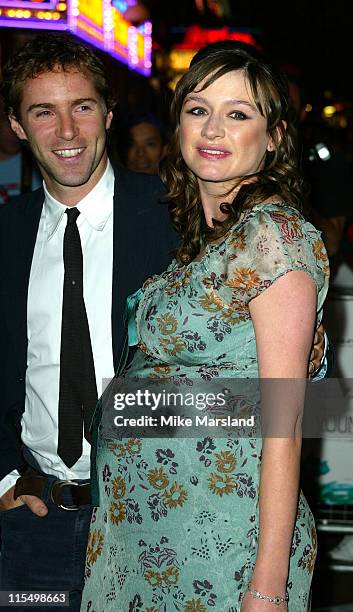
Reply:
x=96 y=207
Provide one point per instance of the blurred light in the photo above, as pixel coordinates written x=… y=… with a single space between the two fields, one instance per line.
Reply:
x=329 y=111
x=113 y=33
x=196 y=37
x=323 y=151
x=308 y=108
x=342 y=122
x=180 y=59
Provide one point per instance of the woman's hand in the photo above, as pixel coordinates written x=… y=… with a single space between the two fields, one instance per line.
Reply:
x=252 y=604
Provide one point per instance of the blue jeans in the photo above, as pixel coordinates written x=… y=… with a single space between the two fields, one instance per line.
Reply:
x=44 y=553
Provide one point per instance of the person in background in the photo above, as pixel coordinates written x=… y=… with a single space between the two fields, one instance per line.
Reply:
x=18 y=172
x=217 y=522
x=145 y=143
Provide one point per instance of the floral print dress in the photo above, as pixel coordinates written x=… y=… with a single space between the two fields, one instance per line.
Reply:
x=178 y=520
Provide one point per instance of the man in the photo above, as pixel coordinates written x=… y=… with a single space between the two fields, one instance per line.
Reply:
x=70 y=254
x=17 y=172
x=146 y=144
x=56 y=94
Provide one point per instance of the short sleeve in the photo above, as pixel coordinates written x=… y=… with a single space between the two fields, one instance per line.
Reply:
x=272 y=241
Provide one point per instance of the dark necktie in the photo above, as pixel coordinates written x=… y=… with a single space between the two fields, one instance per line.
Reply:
x=78 y=391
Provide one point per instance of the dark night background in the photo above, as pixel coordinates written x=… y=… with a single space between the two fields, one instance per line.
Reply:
x=315 y=36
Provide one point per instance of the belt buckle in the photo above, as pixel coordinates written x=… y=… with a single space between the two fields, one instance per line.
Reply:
x=60 y=484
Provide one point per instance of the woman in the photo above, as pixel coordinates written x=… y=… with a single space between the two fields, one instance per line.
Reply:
x=216 y=523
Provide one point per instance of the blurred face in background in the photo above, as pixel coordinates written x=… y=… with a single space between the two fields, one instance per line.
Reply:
x=145 y=148
x=10 y=145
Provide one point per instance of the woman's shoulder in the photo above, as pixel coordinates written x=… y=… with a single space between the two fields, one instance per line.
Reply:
x=277 y=218
x=273 y=209
x=271 y=239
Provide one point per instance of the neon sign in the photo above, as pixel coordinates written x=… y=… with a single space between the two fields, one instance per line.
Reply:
x=99 y=22
x=196 y=37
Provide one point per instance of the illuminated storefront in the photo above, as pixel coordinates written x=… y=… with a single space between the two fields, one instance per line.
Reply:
x=99 y=22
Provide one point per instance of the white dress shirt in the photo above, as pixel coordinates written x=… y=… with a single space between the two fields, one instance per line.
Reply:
x=45 y=295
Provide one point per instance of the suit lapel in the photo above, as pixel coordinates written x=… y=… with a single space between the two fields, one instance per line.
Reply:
x=25 y=226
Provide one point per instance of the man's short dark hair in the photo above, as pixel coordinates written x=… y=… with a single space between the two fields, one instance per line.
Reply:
x=47 y=54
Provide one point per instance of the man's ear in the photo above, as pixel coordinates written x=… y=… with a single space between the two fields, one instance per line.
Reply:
x=17 y=128
x=108 y=120
x=274 y=142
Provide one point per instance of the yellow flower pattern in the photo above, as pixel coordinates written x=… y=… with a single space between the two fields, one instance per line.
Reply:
x=244 y=279
x=119 y=487
x=154 y=578
x=158 y=478
x=175 y=496
x=319 y=250
x=221 y=485
x=226 y=462
x=117 y=512
x=211 y=302
x=94 y=546
x=172 y=345
x=194 y=605
x=167 y=324
x=170 y=576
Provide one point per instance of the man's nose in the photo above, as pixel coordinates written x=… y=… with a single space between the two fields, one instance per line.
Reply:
x=213 y=127
x=67 y=127
x=141 y=151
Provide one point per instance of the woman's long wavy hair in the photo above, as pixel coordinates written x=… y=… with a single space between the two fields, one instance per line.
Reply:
x=279 y=176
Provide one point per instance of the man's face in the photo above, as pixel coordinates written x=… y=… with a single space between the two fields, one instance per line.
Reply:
x=65 y=120
x=145 y=148
x=9 y=143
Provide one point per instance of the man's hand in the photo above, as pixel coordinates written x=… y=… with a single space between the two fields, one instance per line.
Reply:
x=36 y=505
x=317 y=350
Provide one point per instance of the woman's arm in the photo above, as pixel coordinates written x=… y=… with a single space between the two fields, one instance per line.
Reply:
x=284 y=319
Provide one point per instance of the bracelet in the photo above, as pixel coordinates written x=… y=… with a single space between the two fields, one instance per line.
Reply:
x=276 y=600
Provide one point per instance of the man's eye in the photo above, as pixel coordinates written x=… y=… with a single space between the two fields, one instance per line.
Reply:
x=238 y=115
x=84 y=107
x=43 y=113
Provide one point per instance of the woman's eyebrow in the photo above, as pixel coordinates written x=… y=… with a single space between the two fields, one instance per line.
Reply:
x=236 y=101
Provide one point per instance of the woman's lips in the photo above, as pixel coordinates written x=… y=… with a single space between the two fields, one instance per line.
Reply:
x=213 y=154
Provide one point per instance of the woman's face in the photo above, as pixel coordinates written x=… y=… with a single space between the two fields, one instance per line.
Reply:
x=223 y=136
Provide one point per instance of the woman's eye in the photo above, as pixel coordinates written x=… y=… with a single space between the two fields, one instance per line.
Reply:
x=238 y=115
x=197 y=111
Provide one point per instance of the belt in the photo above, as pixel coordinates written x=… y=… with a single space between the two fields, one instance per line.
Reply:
x=34 y=483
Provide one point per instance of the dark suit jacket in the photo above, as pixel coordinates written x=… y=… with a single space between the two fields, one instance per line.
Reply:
x=143 y=243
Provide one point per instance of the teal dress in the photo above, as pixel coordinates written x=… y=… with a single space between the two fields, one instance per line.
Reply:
x=178 y=518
